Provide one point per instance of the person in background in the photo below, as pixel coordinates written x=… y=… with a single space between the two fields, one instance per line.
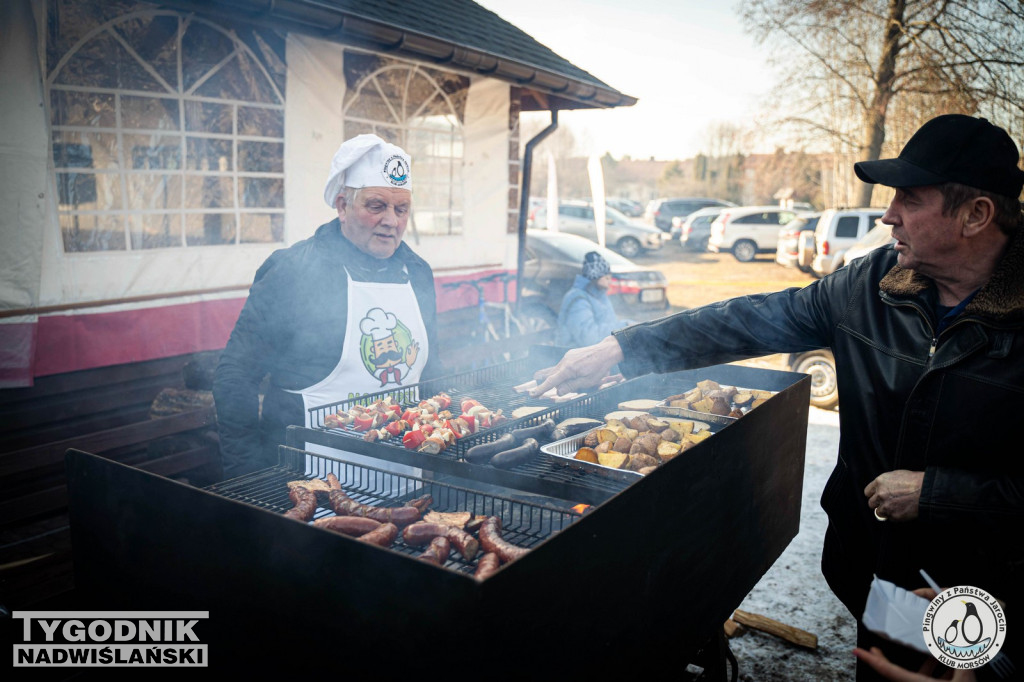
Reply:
x=586 y=315
x=928 y=337
x=349 y=311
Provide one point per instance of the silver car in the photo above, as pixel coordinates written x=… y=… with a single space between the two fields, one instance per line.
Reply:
x=628 y=237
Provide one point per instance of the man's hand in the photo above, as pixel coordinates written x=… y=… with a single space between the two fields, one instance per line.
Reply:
x=890 y=671
x=896 y=494
x=580 y=368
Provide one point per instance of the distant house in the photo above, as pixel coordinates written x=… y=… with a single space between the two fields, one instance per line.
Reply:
x=154 y=155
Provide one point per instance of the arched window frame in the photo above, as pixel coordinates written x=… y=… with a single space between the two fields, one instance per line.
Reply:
x=437 y=154
x=252 y=216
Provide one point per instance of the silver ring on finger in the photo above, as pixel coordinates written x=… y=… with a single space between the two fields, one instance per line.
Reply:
x=879 y=516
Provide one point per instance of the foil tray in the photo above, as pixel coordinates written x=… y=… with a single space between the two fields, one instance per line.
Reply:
x=563 y=452
x=666 y=410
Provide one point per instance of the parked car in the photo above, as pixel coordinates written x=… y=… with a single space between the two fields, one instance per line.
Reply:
x=821 y=365
x=553 y=259
x=628 y=237
x=748 y=230
x=837 y=230
x=633 y=209
x=878 y=236
x=794 y=236
x=695 y=229
x=660 y=212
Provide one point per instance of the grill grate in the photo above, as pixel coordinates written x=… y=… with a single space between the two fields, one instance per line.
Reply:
x=545 y=474
x=523 y=523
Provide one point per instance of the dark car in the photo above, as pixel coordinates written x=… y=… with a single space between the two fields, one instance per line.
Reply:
x=553 y=259
x=633 y=209
x=661 y=211
x=695 y=229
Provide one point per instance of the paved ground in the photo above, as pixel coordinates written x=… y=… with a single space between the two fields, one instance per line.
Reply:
x=793 y=591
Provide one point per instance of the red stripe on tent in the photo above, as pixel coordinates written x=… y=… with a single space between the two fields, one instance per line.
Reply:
x=17 y=343
x=67 y=343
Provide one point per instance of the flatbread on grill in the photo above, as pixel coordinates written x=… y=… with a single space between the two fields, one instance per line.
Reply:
x=526 y=410
x=639 y=404
x=314 y=484
x=453 y=519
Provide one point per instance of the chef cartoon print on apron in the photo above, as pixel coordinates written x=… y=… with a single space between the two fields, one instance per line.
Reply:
x=385 y=347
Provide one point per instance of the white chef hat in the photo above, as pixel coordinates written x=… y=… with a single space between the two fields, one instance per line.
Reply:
x=367 y=161
x=378 y=324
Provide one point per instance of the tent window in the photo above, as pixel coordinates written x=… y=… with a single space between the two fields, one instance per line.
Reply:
x=167 y=129
x=422 y=110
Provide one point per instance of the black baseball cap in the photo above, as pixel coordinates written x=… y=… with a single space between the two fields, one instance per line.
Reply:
x=952 y=148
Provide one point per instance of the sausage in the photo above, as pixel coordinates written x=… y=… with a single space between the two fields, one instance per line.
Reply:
x=305 y=504
x=487 y=566
x=333 y=482
x=348 y=525
x=481 y=454
x=382 y=536
x=437 y=551
x=422 y=502
x=516 y=456
x=491 y=541
x=542 y=430
x=420 y=534
x=473 y=525
x=343 y=505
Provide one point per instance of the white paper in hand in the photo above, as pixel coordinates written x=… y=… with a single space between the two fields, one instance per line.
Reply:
x=895 y=614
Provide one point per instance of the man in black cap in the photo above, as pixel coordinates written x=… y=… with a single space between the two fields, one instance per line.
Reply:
x=928 y=336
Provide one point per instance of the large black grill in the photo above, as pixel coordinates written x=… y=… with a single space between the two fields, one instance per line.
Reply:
x=640 y=583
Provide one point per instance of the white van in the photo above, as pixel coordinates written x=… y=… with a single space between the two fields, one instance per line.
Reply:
x=837 y=230
x=748 y=230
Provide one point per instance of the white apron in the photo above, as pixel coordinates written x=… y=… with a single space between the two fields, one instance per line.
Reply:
x=385 y=347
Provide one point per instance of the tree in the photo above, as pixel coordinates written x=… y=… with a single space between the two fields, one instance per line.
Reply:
x=863 y=69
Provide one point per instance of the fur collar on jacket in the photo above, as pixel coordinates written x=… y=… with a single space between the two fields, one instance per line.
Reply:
x=1001 y=298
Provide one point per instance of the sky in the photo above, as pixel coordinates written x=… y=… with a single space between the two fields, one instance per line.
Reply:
x=688 y=62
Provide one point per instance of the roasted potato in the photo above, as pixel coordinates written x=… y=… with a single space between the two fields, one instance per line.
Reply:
x=670 y=436
x=667 y=450
x=708 y=385
x=586 y=454
x=640 y=461
x=720 y=405
x=613 y=459
x=698 y=437
x=622 y=444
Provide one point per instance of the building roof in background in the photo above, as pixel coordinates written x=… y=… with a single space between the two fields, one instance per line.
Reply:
x=455 y=33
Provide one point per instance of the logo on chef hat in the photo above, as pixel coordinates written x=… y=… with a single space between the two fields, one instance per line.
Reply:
x=387 y=348
x=396 y=170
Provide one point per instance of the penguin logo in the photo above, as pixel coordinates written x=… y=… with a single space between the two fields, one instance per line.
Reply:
x=971 y=623
x=951 y=631
x=396 y=170
x=964 y=627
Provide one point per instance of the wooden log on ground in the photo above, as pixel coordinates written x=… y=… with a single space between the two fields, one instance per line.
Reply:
x=774 y=627
x=733 y=629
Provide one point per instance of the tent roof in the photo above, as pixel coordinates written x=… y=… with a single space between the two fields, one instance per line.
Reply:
x=457 y=33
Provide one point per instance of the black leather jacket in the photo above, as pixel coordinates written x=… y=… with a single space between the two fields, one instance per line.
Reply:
x=947 y=404
x=292 y=327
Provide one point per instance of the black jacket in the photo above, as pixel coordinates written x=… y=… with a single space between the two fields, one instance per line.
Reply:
x=948 y=405
x=292 y=328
